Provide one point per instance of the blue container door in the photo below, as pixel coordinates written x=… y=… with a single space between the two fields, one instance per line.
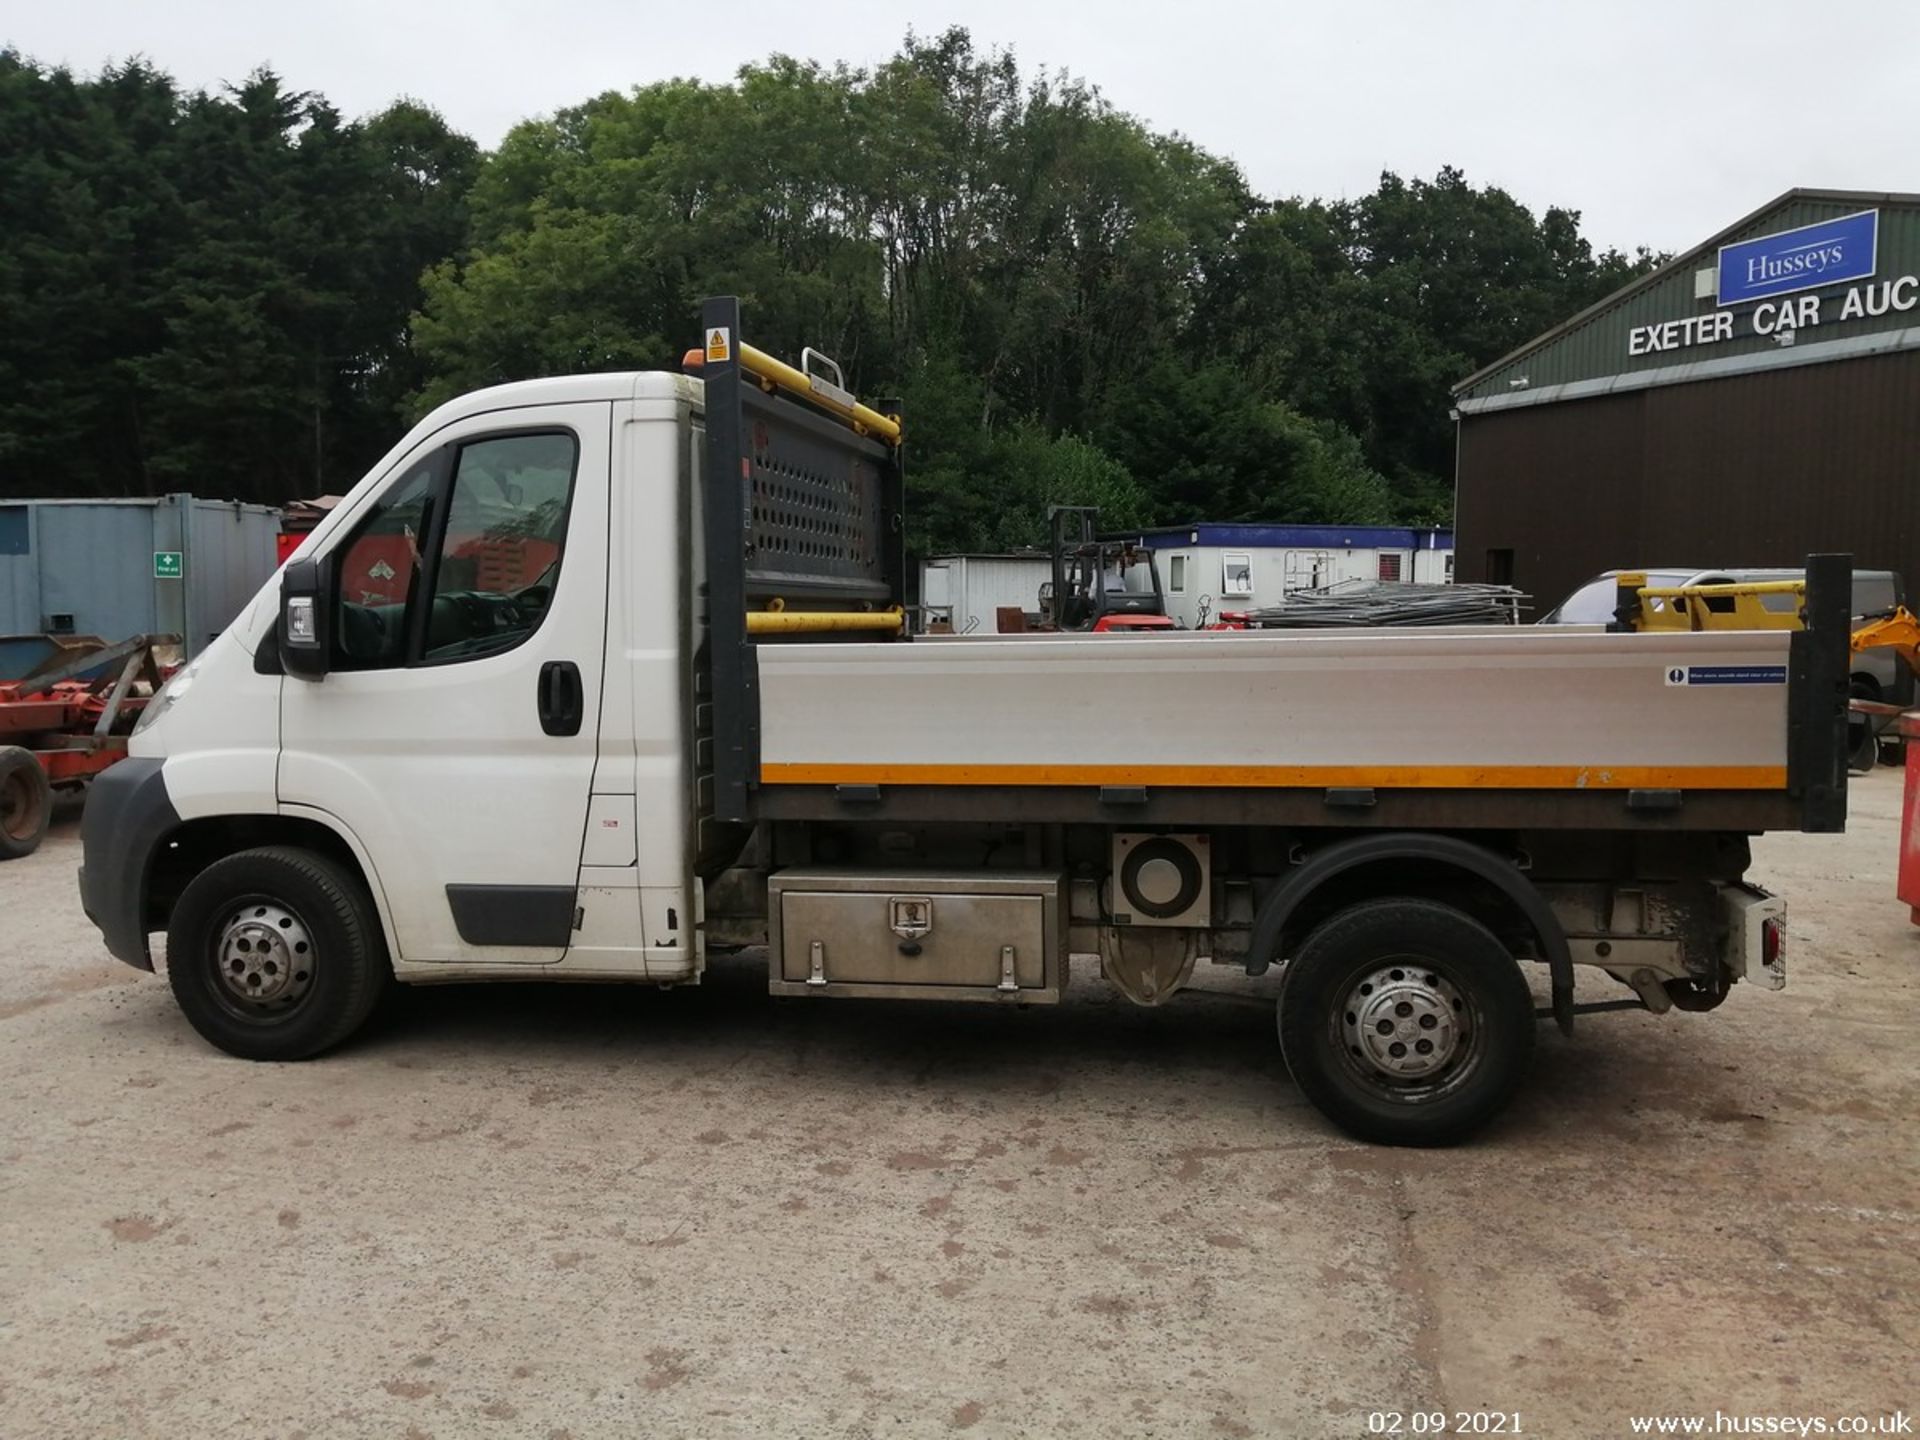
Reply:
x=19 y=573
x=96 y=570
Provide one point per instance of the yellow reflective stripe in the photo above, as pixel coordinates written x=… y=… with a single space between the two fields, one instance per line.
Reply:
x=1384 y=777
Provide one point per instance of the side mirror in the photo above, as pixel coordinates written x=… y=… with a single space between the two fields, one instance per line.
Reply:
x=306 y=605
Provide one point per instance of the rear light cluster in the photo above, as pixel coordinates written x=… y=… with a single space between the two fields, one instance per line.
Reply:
x=1773 y=941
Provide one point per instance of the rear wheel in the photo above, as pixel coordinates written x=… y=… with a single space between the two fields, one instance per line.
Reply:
x=1406 y=1022
x=276 y=954
x=26 y=803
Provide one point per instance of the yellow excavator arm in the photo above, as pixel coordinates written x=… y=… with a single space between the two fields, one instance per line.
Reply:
x=1899 y=631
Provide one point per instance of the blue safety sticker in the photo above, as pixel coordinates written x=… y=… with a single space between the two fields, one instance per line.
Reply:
x=1726 y=675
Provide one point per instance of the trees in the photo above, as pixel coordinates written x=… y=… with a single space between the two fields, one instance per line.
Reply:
x=1044 y=278
x=1366 y=312
x=74 y=201
x=209 y=292
x=244 y=293
x=1451 y=278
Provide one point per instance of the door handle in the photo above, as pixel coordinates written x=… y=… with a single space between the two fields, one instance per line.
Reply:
x=561 y=698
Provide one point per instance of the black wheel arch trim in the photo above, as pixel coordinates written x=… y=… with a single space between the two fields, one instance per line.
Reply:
x=1476 y=860
x=128 y=817
x=529 y=915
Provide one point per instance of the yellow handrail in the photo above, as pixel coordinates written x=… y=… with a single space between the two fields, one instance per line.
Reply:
x=1687 y=607
x=820 y=392
x=795 y=622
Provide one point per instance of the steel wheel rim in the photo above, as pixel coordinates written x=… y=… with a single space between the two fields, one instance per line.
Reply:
x=263 y=958
x=1406 y=1031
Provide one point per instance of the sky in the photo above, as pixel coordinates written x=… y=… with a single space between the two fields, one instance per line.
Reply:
x=1661 y=122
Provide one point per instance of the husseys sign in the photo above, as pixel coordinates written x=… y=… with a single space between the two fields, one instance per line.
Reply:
x=1829 y=253
x=1777 y=275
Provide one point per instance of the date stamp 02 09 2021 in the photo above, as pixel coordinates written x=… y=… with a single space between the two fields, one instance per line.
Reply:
x=1444 y=1422
x=1507 y=1422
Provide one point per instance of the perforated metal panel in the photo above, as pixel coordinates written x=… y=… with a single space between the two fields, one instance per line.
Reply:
x=817 y=521
x=795 y=506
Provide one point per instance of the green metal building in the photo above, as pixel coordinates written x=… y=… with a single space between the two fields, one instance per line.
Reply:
x=1753 y=400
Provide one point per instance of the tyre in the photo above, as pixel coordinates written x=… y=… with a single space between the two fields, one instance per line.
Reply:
x=276 y=954
x=26 y=803
x=1406 y=1022
x=1863 y=741
x=1863 y=746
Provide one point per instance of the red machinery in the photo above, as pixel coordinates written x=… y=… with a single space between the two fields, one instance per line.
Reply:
x=1091 y=588
x=297 y=521
x=1899 y=631
x=64 y=717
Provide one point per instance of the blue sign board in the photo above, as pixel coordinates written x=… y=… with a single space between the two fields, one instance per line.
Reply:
x=1829 y=253
x=1727 y=675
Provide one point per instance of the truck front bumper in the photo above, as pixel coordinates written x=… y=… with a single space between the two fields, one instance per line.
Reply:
x=128 y=817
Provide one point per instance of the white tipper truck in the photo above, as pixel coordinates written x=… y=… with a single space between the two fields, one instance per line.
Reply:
x=592 y=678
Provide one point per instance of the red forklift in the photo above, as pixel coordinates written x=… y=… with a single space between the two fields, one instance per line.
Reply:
x=1101 y=586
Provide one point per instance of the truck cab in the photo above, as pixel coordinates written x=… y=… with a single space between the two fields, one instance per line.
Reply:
x=454 y=738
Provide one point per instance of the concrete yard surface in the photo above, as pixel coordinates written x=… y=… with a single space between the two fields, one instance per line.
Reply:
x=571 y=1211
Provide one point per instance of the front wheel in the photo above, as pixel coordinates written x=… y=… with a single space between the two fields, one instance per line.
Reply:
x=276 y=954
x=1406 y=1022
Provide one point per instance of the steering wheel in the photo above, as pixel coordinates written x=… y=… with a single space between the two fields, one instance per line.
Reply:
x=477 y=617
x=532 y=602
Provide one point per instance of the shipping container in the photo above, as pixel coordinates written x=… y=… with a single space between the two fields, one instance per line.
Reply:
x=162 y=565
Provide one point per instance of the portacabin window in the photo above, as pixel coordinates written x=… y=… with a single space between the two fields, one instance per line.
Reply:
x=1236 y=573
x=1177 y=575
x=460 y=558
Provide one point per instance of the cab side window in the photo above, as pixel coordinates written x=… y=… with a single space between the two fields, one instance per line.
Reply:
x=379 y=575
x=460 y=559
x=499 y=553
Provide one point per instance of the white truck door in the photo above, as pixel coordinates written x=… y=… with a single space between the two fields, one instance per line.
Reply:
x=639 y=906
x=455 y=734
